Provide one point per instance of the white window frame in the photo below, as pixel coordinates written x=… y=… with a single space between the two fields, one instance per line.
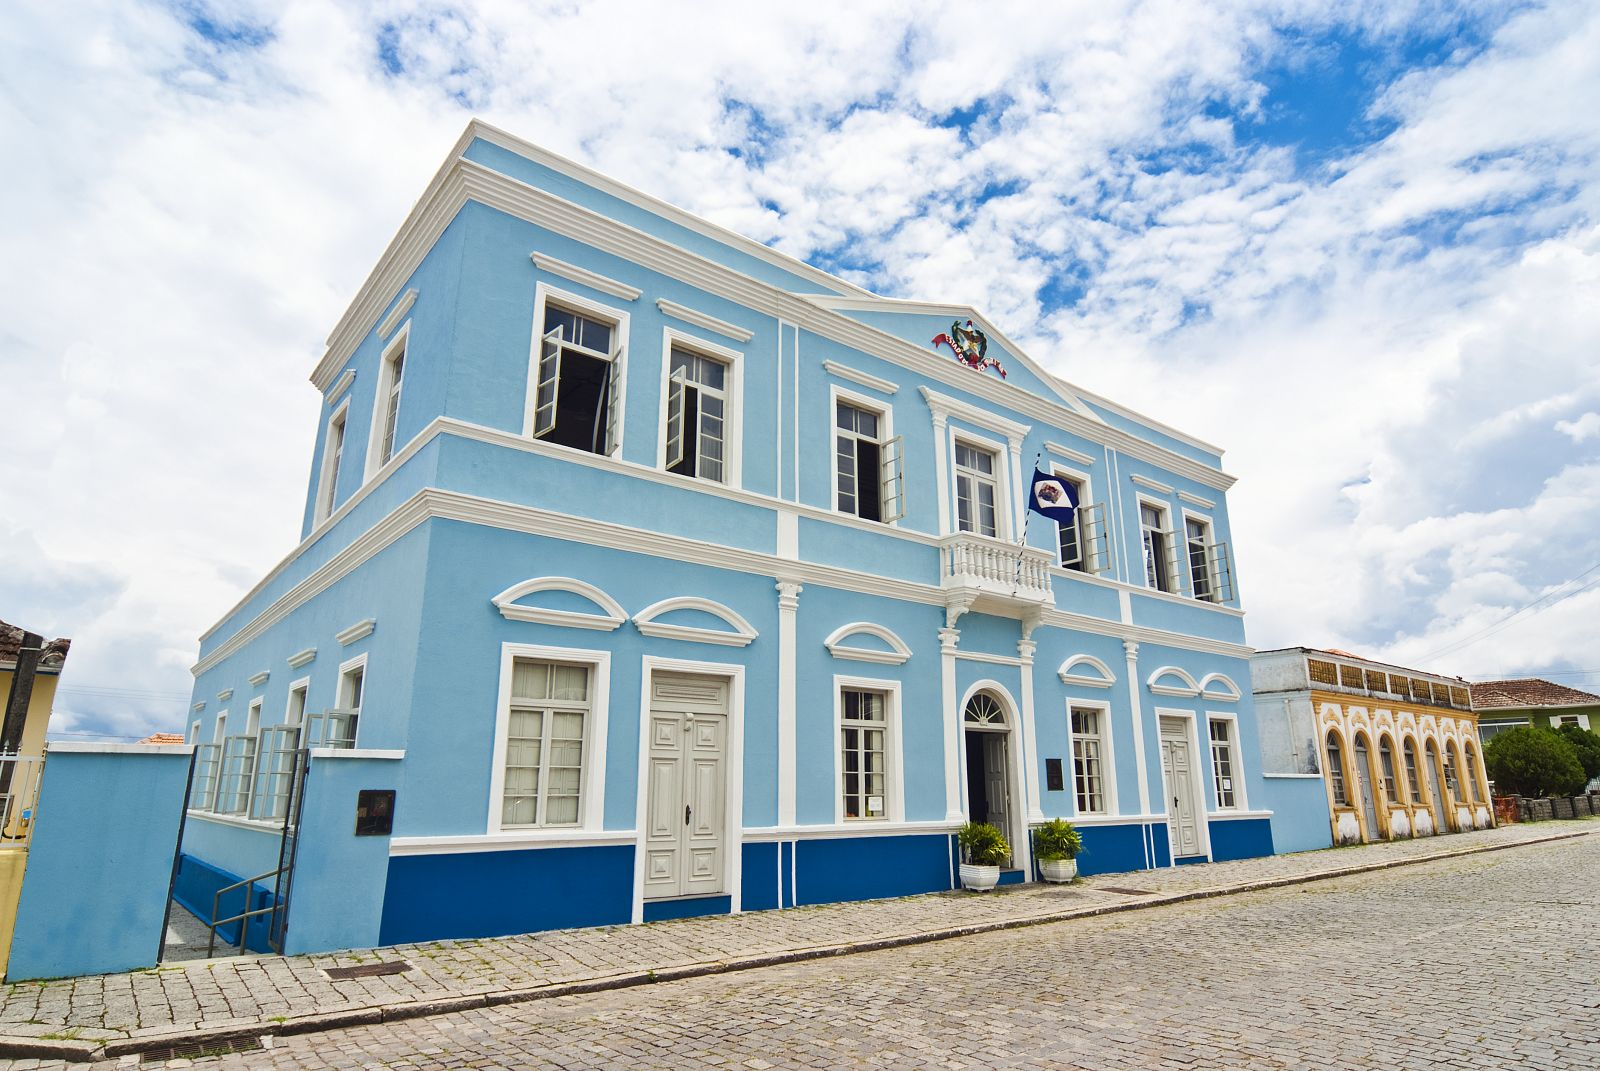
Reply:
x=1188 y=564
x=1002 y=481
x=1174 y=564
x=220 y=726
x=339 y=695
x=303 y=687
x=886 y=441
x=381 y=401
x=592 y=778
x=894 y=780
x=1086 y=502
x=194 y=732
x=252 y=720
x=733 y=408
x=1108 y=758
x=328 y=480
x=620 y=319
x=1241 y=801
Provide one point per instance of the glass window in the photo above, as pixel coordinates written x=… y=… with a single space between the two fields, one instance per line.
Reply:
x=863 y=740
x=550 y=706
x=1336 y=772
x=858 y=461
x=1071 y=537
x=1412 y=781
x=394 y=373
x=697 y=415
x=1088 y=763
x=576 y=396
x=1198 y=535
x=1222 y=763
x=332 y=460
x=1157 y=547
x=1386 y=761
x=976 y=491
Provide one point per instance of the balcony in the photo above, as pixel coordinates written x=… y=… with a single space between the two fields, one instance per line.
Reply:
x=995 y=577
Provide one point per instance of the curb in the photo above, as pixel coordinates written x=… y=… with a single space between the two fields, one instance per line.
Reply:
x=12 y=1047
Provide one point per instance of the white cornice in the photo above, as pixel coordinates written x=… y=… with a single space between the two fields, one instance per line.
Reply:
x=593 y=280
x=341 y=385
x=1069 y=453
x=1196 y=500
x=398 y=313
x=700 y=319
x=946 y=406
x=1140 y=418
x=258 y=679
x=225 y=695
x=462 y=179
x=1153 y=485
x=302 y=658
x=855 y=375
x=358 y=631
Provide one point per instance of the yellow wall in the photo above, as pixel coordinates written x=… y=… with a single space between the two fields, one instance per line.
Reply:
x=44 y=696
x=14 y=858
x=12 y=863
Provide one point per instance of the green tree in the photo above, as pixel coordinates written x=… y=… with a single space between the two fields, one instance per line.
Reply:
x=1534 y=761
x=1587 y=745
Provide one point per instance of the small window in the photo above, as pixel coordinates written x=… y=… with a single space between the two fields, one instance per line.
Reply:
x=296 y=711
x=394 y=370
x=1336 y=772
x=863 y=740
x=545 y=733
x=867 y=466
x=697 y=416
x=1159 y=570
x=194 y=733
x=977 y=491
x=332 y=460
x=577 y=391
x=1088 y=761
x=1223 y=762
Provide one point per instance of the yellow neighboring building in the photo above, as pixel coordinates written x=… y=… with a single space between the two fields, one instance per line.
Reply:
x=30 y=668
x=1398 y=748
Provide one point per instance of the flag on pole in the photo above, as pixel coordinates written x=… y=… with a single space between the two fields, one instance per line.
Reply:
x=1052 y=497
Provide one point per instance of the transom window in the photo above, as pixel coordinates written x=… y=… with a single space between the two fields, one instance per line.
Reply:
x=870 y=477
x=864 y=732
x=576 y=400
x=977 y=491
x=1336 y=772
x=697 y=414
x=550 y=708
x=984 y=709
x=1223 y=762
x=1158 y=548
x=1088 y=764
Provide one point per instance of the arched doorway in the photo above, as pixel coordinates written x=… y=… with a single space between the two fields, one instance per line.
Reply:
x=987 y=734
x=1441 y=817
x=1369 y=803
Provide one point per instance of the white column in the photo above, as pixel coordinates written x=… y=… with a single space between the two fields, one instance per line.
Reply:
x=941 y=472
x=788 y=604
x=953 y=810
x=1132 y=650
x=1030 y=762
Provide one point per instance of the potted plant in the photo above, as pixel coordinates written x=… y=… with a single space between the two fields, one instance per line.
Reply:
x=1056 y=845
x=983 y=850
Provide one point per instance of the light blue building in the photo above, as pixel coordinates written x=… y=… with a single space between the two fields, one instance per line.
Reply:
x=658 y=573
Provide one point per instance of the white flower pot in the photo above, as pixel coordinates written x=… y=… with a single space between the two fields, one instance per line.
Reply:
x=979 y=878
x=1058 y=871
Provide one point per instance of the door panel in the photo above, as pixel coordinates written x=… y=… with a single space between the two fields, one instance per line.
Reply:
x=663 y=821
x=707 y=804
x=1183 y=824
x=1369 y=806
x=686 y=805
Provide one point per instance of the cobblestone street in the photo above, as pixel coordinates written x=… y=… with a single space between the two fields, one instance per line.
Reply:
x=1483 y=961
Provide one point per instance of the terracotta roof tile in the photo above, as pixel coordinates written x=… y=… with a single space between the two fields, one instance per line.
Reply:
x=55 y=651
x=1527 y=692
x=163 y=738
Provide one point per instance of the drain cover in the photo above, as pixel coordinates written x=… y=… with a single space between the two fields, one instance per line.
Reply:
x=194 y=1050
x=1127 y=892
x=367 y=970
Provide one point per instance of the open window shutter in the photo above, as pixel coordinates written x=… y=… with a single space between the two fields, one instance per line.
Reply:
x=207 y=764
x=893 y=478
x=1220 y=559
x=614 y=383
x=675 y=410
x=1177 y=577
x=1093 y=543
x=549 y=388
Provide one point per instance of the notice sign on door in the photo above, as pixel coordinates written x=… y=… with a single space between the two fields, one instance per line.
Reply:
x=874 y=804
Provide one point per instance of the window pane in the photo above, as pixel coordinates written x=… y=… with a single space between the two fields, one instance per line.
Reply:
x=530 y=680
x=570 y=682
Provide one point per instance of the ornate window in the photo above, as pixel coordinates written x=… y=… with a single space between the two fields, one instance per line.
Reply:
x=984 y=709
x=1341 y=798
x=1412 y=781
x=977 y=491
x=1386 y=760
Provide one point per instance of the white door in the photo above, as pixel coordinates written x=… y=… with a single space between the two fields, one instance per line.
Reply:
x=686 y=790
x=1183 y=825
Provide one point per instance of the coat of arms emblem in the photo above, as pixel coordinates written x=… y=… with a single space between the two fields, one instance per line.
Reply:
x=970 y=345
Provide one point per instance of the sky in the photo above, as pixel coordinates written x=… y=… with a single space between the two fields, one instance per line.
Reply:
x=1356 y=244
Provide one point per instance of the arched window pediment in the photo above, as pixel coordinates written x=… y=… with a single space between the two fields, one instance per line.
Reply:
x=742 y=633
x=607 y=616
x=1175 y=681
x=1086 y=671
x=897 y=652
x=1220 y=686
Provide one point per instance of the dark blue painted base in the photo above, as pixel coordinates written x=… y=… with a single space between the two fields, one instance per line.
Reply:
x=491 y=894
x=691 y=908
x=1012 y=877
x=195 y=889
x=828 y=871
x=1241 y=838
x=1115 y=849
x=1190 y=860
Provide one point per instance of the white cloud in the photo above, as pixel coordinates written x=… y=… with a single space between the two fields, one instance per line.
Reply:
x=1398 y=348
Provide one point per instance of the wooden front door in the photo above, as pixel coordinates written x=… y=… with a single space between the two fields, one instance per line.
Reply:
x=1177 y=771
x=687 y=806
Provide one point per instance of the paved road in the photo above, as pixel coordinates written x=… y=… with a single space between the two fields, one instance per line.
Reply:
x=1492 y=961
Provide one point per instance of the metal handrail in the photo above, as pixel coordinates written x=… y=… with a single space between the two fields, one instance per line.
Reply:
x=244 y=928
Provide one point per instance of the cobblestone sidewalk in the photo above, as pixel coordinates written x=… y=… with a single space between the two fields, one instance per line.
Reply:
x=110 y=1015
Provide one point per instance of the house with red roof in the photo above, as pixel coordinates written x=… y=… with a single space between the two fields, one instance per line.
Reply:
x=1508 y=704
